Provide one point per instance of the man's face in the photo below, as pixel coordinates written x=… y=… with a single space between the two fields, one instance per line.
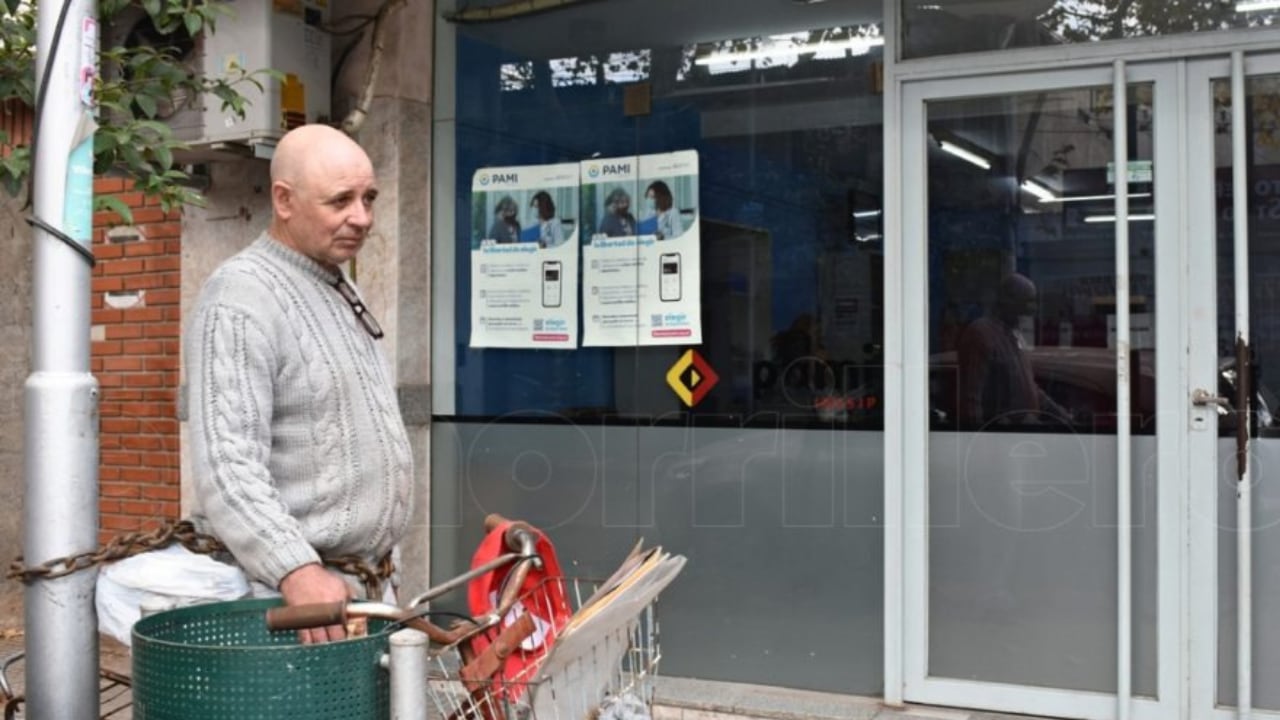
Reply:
x=1014 y=308
x=622 y=205
x=330 y=211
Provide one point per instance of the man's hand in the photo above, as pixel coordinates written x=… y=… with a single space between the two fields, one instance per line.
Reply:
x=313 y=584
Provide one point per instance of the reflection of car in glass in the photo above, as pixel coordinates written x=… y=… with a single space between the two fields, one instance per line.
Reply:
x=1083 y=381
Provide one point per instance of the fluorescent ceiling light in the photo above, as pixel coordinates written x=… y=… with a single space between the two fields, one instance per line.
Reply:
x=858 y=46
x=1040 y=191
x=1086 y=198
x=1140 y=217
x=1257 y=5
x=966 y=155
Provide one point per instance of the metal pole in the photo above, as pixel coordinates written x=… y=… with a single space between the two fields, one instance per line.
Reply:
x=1124 y=601
x=1244 y=498
x=61 y=413
x=409 y=675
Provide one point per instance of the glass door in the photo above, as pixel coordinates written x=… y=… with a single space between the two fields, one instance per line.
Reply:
x=1042 y=562
x=1234 y=354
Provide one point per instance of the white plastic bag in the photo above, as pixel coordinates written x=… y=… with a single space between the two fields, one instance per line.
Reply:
x=627 y=706
x=166 y=578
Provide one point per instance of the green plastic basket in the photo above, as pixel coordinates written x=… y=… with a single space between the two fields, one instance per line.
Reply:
x=219 y=661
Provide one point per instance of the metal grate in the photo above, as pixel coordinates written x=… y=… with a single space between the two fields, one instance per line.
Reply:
x=114 y=689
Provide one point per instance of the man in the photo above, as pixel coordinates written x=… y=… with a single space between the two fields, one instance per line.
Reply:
x=997 y=382
x=299 y=453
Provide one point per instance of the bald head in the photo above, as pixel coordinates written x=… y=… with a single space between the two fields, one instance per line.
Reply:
x=302 y=148
x=1017 y=297
x=322 y=193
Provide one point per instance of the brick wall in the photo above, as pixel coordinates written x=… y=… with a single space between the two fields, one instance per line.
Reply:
x=15 y=122
x=136 y=318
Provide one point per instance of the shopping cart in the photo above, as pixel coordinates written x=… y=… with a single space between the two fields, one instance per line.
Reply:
x=538 y=645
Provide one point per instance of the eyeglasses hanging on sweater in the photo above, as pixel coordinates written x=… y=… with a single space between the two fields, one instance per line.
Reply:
x=365 y=317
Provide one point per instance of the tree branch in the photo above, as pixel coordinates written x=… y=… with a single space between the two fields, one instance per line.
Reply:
x=354 y=120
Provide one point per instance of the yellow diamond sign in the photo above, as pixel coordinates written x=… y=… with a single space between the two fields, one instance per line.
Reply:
x=691 y=378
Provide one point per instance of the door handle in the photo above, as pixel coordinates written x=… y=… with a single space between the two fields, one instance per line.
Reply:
x=1202 y=398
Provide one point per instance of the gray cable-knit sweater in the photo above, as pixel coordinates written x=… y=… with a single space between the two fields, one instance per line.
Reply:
x=298 y=446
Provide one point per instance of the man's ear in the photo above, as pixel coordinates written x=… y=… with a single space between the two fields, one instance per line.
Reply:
x=282 y=199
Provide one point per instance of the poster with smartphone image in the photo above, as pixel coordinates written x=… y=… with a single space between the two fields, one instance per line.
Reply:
x=524 y=257
x=640 y=255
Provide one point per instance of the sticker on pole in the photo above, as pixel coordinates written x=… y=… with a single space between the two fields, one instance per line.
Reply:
x=88 y=60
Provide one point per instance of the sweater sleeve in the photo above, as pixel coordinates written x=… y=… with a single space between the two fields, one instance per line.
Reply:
x=230 y=373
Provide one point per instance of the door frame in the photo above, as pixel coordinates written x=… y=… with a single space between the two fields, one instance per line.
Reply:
x=1203 y=443
x=1186 y=357
x=1170 y=378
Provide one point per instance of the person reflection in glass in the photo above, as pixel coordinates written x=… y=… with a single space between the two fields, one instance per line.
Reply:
x=997 y=383
x=618 y=222
x=658 y=201
x=506 y=227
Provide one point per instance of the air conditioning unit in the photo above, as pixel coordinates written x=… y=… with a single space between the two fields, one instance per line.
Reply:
x=283 y=35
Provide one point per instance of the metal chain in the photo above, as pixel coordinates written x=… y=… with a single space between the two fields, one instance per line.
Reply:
x=372 y=577
x=183 y=531
x=119 y=547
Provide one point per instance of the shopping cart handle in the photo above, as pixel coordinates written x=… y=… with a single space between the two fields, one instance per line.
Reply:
x=312 y=615
x=519 y=537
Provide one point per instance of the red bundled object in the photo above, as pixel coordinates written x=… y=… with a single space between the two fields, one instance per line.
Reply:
x=541 y=596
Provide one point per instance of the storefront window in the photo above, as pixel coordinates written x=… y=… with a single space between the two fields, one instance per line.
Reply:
x=1022 y=250
x=685 y=200
x=944 y=27
x=780 y=108
x=1023 y=342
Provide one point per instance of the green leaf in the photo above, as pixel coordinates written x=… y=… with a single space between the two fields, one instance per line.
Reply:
x=163 y=157
x=152 y=7
x=110 y=105
x=194 y=21
x=104 y=162
x=146 y=103
x=154 y=126
x=104 y=142
x=112 y=7
x=112 y=203
x=13 y=185
x=132 y=158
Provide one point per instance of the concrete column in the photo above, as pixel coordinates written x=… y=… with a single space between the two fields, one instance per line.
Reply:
x=238 y=209
x=15 y=365
x=394 y=269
